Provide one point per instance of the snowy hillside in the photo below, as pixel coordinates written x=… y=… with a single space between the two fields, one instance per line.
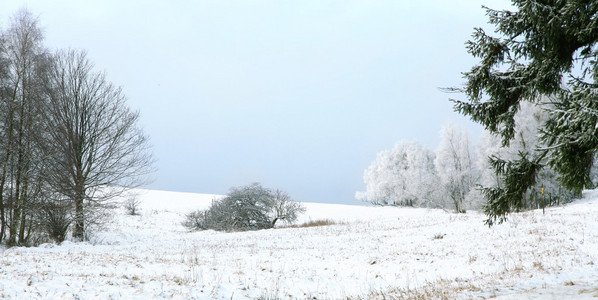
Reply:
x=372 y=252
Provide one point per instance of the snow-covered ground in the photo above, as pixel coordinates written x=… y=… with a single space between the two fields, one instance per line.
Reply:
x=373 y=252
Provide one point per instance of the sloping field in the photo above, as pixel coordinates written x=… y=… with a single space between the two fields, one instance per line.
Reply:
x=371 y=252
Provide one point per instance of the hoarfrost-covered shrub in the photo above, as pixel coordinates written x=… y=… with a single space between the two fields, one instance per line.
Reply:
x=251 y=207
x=195 y=220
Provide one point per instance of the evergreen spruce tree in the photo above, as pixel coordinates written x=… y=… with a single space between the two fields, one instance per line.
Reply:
x=544 y=48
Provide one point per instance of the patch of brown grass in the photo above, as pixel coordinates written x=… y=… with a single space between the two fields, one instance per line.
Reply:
x=442 y=289
x=314 y=223
x=589 y=291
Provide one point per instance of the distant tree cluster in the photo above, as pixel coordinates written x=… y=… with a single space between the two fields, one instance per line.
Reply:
x=451 y=176
x=403 y=176
x=251 y=207
x=411 y=175
x=68 y=142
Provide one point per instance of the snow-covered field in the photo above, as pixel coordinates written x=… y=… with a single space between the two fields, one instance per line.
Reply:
x=372 y=252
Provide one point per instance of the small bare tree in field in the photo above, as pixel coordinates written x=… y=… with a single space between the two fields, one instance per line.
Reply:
x=95 y=148
x=284 y=208
x=132 y=205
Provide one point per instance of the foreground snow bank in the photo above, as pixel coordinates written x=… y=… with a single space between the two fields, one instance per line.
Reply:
x=373 y=252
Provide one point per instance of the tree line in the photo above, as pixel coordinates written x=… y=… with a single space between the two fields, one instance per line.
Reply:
x=68 y=141
x=454 y=175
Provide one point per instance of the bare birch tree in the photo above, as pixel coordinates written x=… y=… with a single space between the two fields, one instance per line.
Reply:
x=97 y=150
x=455 y=166
x=22 y=56
x=4 y=132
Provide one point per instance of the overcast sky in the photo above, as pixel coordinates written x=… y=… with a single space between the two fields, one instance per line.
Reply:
x=297 y=95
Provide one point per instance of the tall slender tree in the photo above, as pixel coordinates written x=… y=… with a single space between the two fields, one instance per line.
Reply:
x=454 y=164
x=96 y=149
x=20 y=97
x=4 y=113
x=543 y=48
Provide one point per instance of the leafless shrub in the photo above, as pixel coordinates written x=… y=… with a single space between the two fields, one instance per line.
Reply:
x=195 y=220
x=55 y=219
x=132 y=204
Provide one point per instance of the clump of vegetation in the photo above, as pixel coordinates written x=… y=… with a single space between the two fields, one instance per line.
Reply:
x=132 y=205
x=54 y=217
x=251 y=207
x=69 y=143
x=315 y=223
x=439 y=236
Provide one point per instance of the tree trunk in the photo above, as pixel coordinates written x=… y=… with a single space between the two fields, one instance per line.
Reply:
x=14 y=222
x=23 y=212
x=2 y=208
x=19 y=201
x=2 y=218
x=79 y=232
x=5 y=167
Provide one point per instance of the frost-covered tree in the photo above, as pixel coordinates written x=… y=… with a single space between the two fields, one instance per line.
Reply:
x=526 y=141
x=455 y=166
x=543 y=48
x=404 y=175
x=251 y=207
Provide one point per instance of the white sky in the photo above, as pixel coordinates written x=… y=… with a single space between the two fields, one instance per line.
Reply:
x=297 y=95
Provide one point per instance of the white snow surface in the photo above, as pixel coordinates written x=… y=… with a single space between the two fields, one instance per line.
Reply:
x=371 y=253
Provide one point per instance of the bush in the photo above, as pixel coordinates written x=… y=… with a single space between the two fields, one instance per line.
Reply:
x=132 y=205
x=54 y=217
x=195 y=220
x=250 y=207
